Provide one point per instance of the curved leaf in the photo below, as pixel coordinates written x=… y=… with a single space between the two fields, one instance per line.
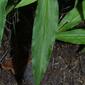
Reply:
x=46 y=21
x=24 y=3
x=3 y=4
x=71 y=19
x=9 y=9
x=75 y=36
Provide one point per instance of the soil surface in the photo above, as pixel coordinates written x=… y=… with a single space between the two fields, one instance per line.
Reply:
x=66 y=67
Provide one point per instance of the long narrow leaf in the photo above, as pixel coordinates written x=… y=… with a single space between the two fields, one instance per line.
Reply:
x=3 y=4
x=43 y=36
x=83 y=6
x=72 y=19
x=24 y=3
x=76 y=2
x=9 y=9
x=75 y=36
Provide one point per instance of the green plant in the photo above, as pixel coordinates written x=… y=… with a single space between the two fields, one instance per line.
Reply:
x=3 y=4
x=47 y=29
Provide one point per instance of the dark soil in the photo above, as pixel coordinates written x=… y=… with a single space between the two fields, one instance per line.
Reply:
x=67 y=64
x=67 y=67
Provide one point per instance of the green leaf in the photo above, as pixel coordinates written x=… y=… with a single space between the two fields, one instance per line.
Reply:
x=24 y=3
x=9 y=9
x=3 y=4
x=76 y=2
x=45 y=25
x=71 y=19
x=75 y=36
x=83 y=6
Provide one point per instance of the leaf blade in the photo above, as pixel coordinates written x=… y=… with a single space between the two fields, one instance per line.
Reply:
x=3 y=4
x=83 y=7
x=71 y=19
x=75 y=36
x=43 y=37
x=24 y=3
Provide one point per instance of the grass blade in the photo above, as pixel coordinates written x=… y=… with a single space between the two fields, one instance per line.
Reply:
x=83 y=6
x=9 y=9
x=76 y=2
x=24 y=3
x=75 y=36
x=46 y=21
x=72 y=19
x=3 y=4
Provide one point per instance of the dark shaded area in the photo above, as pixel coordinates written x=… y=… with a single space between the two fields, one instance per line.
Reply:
x=66 y=5
x=21 y=40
